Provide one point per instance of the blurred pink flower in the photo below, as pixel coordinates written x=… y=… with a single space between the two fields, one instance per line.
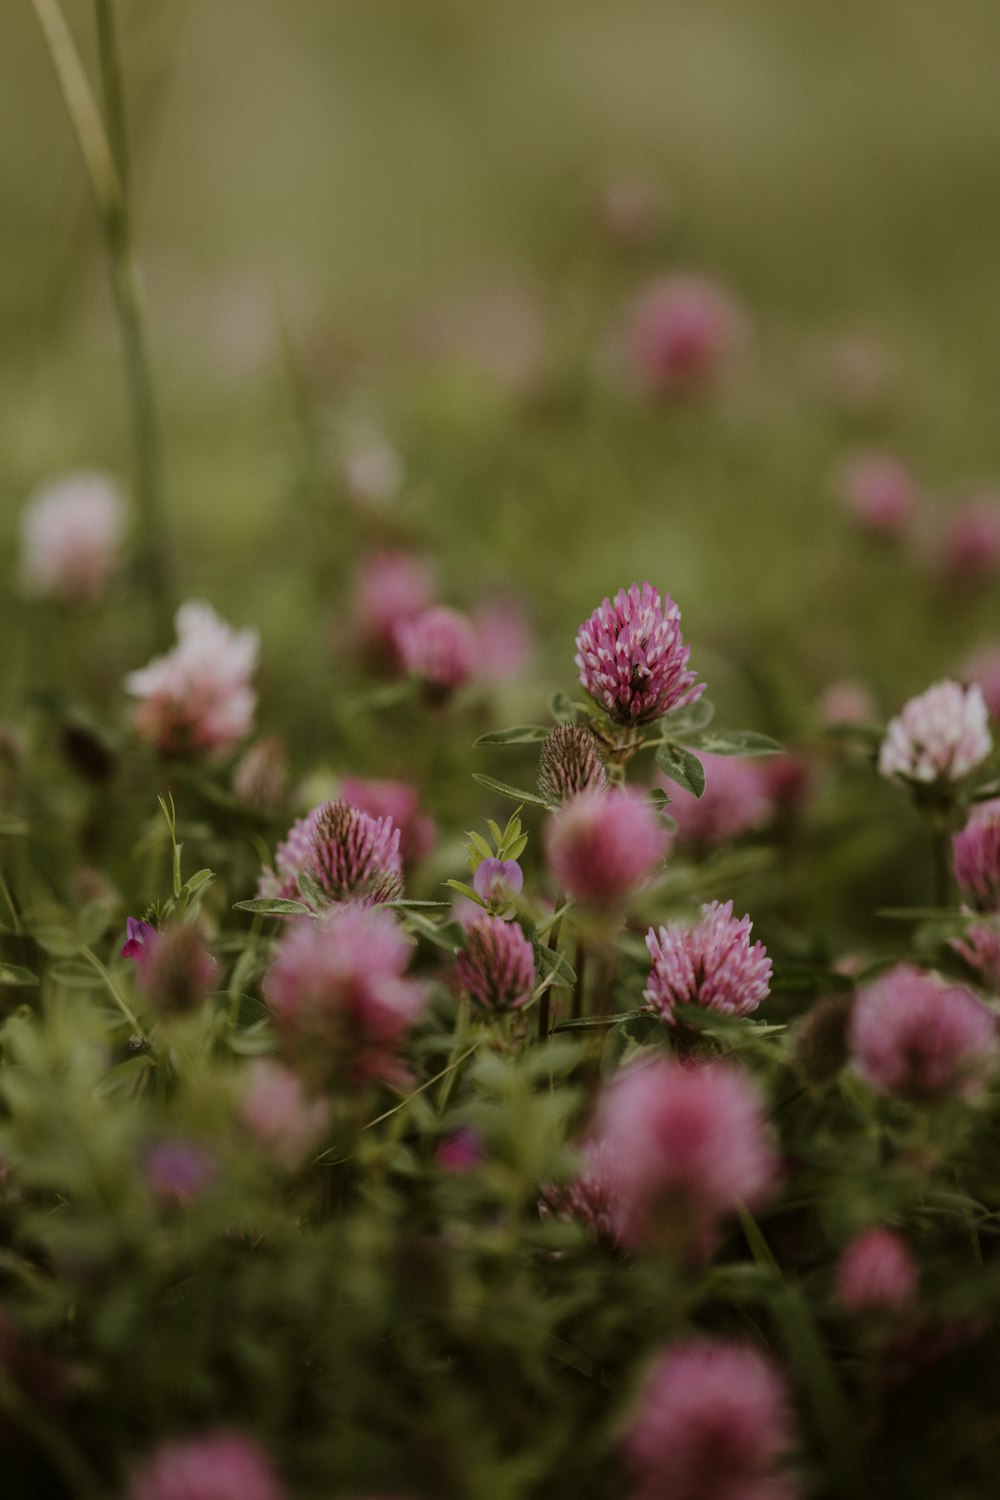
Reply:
x=218 y=1466
x=293 y=856
x=496 y=968
x=941 y=735
x=389 y=588
x=876 y=1274
x=440 y=647
x=199 y=696
x=589 y=1197
x=460 y=1152
x=879 y=492
x=972 y=542
x=71 y=537
x=498 y=881
x=710 y=964
x=372 y=473
x=684 y=1147
x=177 y=1171
x=919 y=1038
x=356 y=857
x=682 y=332
x=178 y=970
x=505 y=641
x=711 y=1422
x=283 y=1121
x=983 y=668
x=976 y=857
x=342 y=1003
x=602 y=846
x=396 y=800
x=848 y=702
x=632 y=659
x=736 y=800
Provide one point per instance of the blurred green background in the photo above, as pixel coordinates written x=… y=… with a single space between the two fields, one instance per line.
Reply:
x=358 y=214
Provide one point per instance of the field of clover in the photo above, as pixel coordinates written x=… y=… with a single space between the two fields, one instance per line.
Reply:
x=445 y=1055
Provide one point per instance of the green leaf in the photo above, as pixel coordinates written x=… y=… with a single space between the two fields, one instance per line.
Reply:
x=695 y=715
x=517 y=734
x=466 y=890
x=732 y=742
x=76 y=976
x=13 y=974
x=12 y=828
x=503 y=790
x=679 y=765
x=408 y=906
x=273 y=906
x=449 y=936
x=551 y=962
x=562 y=709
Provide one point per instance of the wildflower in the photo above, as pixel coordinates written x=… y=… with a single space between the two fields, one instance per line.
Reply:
x=983 y=668
x=682 y=330
x=588 y=1199
x=570 y=763
x=396 y=800
x=355 y=857
x=497 y=965
x=876 y=1274
x=460 y=1152
x=914 y=1036
x=632 y=659
x=261 y=775
x=712 y=1422
x=140 y=940
x=972 y=543
x=683 y=1148
x=879 y=492
x=71 y=535
x=504 y=640
x=941 y=735
x=198 y=696
x=979 y=945
x=218 y=1466
x=603 y=846
x=390 y=588
x=342 y=1003
x=178 y=971
x=710 y=964
x=736 y=800
x=847 y=702
x=292 y=858
x=498 y=881
x=976 y=857
x=282 y=1120
x=439 y=646
x=177 y=1171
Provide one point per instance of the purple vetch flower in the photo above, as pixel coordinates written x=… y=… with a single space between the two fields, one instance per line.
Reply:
x=603 y=846
x=460 y=1152
x=916 y=1037
x=876 y=1274
x=711 y=964
x=177 y=1171
x=217 y=1466
x=632 y=658
x=355 y=857
x=140 y=940
x=976 y=857
x=496 y=967
x=440 y=647
x=570 y=763
x=712 y=1422
x=291 y=858
x=498 y=881
x=941 y=735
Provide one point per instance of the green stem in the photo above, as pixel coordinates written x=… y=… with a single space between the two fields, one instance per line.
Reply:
x=576 y=1010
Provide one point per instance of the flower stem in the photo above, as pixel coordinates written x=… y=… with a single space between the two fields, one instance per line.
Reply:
x=581 y=978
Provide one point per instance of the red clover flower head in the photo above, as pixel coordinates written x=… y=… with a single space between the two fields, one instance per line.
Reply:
x=976 y=853
x=972 y=543
x=497 y=965
x=293 y=856
x=918 y=1038
x=356 y=857
x=941 y=735
x=632 y=658
x=602 y=846
x=711 y=964
x=876 y=1274
x=218 y=1466
x=570 y=763
x=682 y=331
x=439 y=647
x=879 y=492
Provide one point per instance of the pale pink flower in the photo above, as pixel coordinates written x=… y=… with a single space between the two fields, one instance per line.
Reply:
x=602 y=846
x=736 y=800
x=390 y=588
x=440 y=647
x=879 y=492
x=283 y=1121
x=711 y=964
x=683 y=1148
x=976 y=857
x=218 y=1466
x=712 y=1421
x=396 y=800
x=941 y=735
x=356 y=857
x=505 y=641
x=570 y=763
x=876 y=1274
x=983 y=668
x=496 y=968
x=199 y=696
x=71 y=537
x=972 y=542
x=848 y=702
x=342 y=1003
x=632 y=659
x=682 y=332
x=914 y=1036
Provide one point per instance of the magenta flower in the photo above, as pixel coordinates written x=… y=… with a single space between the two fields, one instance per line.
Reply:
x=737 y=799
x=570 y=763
x=983 y=668
x=879 y=492
x=178 y=1171
x=589 y=1198
x=281 y=1119
x=941 y=735
x=440 y=647
x=199 y=696
x=683 y=1148
x=632 y=658
x=603 y=846
x=342 y=1003
x=496 y=968
x=710 y=964
x=355 y=857
x=460 y=1152
x=712 y=1422
x=976 y=857
x=71 y=536
x=218 y=1466
x=390 y=588
x=140 y=940
x=498 y=881
x=682 y=331
x=972 y=543
x=876 y=1274
x=292 y=857
x=919 y=1038
x=396 y=800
